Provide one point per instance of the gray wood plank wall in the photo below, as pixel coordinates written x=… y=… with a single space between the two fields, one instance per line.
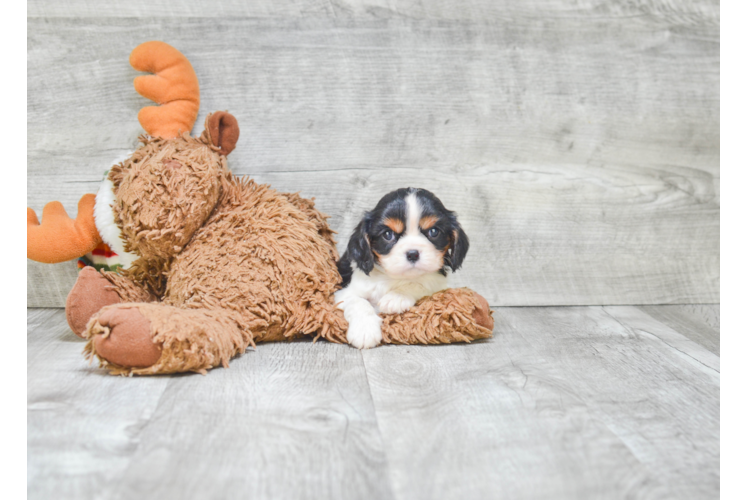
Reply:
x=578 y=141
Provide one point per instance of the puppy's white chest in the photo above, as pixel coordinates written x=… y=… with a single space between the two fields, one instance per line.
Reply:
x=378 y=286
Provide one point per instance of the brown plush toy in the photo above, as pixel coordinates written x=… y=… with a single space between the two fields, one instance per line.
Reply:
x=211 y=263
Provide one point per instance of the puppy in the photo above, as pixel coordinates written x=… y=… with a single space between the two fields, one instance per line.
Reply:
x=398 y=253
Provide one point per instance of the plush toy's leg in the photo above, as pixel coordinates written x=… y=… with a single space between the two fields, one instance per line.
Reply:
x=330 y=324
x=91 y=292
x=94 y=290
x=147 y=339
x=453 y=315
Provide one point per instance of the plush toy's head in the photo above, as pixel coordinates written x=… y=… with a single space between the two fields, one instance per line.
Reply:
x=153 y=202
x=164 y=192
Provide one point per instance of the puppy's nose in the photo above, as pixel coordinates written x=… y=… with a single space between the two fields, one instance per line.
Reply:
x=412 y=255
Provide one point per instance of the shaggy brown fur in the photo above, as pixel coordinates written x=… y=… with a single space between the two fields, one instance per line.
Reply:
x=165 y=191
x=225 y=263
x=258 y=244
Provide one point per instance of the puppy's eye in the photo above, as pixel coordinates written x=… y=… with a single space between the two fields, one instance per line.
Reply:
x=433 y=232
x=388 y=235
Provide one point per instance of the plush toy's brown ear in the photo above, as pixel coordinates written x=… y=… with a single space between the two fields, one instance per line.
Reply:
x=223 y=130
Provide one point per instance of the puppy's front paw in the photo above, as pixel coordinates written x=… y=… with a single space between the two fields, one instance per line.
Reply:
x=365 y=333
x=395 y=303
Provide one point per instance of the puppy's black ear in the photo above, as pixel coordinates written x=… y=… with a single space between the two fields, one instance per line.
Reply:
x=459 y=247
x=359 y=248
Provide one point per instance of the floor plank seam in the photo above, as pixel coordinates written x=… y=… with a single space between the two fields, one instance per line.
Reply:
x=658 y=337
x=379 y=427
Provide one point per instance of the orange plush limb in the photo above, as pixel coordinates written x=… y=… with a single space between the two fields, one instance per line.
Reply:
x=59 y=238
x=173 y=86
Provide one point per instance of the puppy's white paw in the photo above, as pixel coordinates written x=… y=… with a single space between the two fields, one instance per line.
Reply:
x=395 y=303
x=365 y=333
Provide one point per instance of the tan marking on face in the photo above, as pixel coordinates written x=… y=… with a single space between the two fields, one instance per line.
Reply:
x=442 y=254
x=428 y=221
x=395 y=224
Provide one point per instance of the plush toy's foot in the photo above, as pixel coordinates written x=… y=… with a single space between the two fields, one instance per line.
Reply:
x=452 y=315
x=482 y=313
x=91 y=292
x=153 y=338
x=126 y=338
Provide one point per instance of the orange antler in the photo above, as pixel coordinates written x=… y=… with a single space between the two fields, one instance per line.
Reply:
x=173 y=86
x=60 y=238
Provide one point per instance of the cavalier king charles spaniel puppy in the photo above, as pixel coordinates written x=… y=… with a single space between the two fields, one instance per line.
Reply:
x=399 y=252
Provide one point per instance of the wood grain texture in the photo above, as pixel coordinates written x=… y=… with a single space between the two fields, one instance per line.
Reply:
x=287 y=421
x=684 y=11
x=49 y=284
x=579 y=147
x=82 y=425
x=563 y=403
x=517 y=92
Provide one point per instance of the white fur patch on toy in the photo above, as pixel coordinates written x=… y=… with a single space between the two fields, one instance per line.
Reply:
x=107 y=227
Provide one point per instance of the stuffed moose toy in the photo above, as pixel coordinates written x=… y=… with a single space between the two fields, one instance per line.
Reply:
x=210 y=263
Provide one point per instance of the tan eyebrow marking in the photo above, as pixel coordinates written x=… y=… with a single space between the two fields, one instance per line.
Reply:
x=395 y=224
x=428 y=221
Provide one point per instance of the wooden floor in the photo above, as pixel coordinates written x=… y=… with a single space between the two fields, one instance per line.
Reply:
x=564 y=402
